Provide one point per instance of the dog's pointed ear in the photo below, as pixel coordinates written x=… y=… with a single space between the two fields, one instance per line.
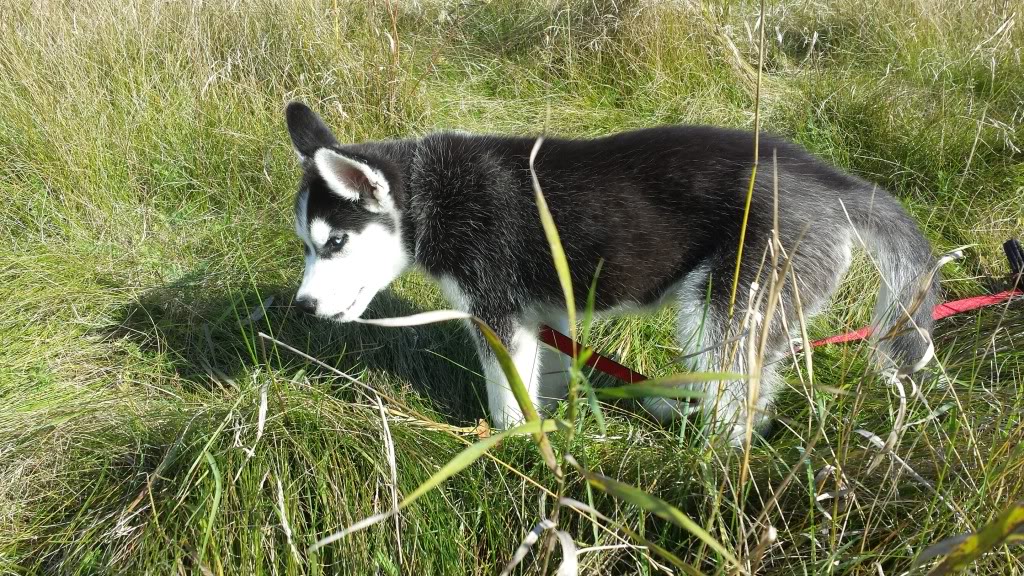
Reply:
x=354 y=179
x=308 y=131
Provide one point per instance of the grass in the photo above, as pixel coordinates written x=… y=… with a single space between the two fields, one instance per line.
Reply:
x=147 y=183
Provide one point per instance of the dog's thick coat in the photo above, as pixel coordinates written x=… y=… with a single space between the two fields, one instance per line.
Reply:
x=661 y=208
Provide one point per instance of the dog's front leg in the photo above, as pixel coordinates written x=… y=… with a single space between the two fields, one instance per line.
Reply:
x=524 y=347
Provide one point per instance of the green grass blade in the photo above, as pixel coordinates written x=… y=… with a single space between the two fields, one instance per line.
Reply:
x=588 y=312
x=472 y=453
x=515 y=382
x=668 y=387
x=555 y=242
x=581 y=357
x=595 y=408
x=643 y=390
x=217 y=491
x=655 y=506
x=508 y=366
x=962 y=550
x=460 y=462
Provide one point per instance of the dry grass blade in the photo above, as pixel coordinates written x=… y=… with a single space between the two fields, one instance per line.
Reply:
x=805 y=339
x=362 y=524
x=322 y=364
x=897 y=428
x=285 y=526
x=389 y=449
x=881 y=446
x=524 y=547
x=919 y=296
x=258 y=312
x=261 y=422
x=420 y=319
x=261 y=419
x=570 y=565
x=753 y=170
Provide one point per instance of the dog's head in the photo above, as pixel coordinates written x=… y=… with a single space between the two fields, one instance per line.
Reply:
x=346 y=217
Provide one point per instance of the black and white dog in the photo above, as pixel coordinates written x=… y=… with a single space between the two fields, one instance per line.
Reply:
x=661 y=207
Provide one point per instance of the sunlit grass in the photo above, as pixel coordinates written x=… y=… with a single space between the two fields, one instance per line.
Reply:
x=147 y=184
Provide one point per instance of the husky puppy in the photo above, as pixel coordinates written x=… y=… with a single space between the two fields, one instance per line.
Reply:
x=661 y=207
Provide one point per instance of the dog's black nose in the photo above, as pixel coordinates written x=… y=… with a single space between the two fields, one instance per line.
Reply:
x=306 y=304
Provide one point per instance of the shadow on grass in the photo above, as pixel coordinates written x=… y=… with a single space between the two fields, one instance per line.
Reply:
x=198 y=330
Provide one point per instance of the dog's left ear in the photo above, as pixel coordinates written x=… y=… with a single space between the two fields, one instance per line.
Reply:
x=354 y=180
x=308 y=131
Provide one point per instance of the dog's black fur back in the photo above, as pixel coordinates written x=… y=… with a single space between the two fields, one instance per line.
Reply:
x=653 y=204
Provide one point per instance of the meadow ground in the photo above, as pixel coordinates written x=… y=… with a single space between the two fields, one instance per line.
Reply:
x=146 y=181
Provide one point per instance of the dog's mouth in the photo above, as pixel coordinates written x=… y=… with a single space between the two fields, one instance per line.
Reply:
x=341 y=316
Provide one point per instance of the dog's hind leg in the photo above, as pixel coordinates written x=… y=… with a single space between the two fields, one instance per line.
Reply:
x=697 y=328
x=707 y=345
x=730 y=406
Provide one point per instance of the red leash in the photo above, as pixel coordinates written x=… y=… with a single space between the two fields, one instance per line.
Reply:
x=941 y=311
x=566 y=346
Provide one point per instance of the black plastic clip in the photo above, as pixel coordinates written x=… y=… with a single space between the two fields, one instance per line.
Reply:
x=1015 y=254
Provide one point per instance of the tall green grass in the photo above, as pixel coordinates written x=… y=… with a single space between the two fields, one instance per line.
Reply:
x=147 y=186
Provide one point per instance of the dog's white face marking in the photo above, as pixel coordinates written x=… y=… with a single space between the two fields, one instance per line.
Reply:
x=346 y=268
x=319 y=232
x=347 y=220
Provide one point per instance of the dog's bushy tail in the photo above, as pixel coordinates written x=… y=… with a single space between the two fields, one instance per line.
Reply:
x=902 y=324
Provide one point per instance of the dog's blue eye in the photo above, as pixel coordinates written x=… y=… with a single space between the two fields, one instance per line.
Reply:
x=336 y=242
